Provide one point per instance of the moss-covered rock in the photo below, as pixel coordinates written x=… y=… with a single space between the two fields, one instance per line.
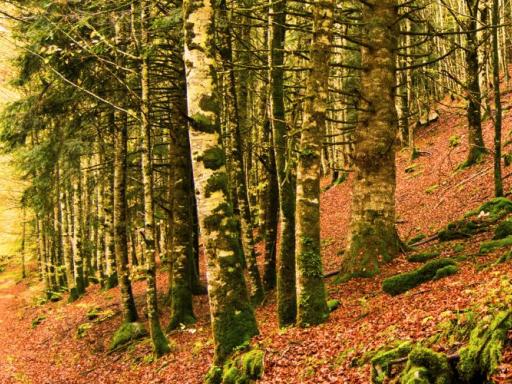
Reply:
x=382 y=361
x=491 y=245
x=445 y=272
x=504 y=229
x=242 y=368
x=461 y=229
x=405 y=281
x=480 y=358
x=495 y=209
x=423 y=256
x=426 y=366
x=127 y=332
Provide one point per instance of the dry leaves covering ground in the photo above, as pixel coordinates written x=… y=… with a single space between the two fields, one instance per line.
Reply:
x=431 y=196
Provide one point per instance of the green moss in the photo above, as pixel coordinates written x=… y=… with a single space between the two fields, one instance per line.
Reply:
x=446 y=271
x=417 y=239
x=213 y=158
x=504 y=258
x=214 y=375
x=427 y=366
x=38 y=320
x=204 y=123
x=422 y=257
x=504 y=229
x=491 y=245
x=241 y=368
x=82 y=329
x=252 y=363
x=127 y=332
x=480 y=358
x=403 y=282
x=461 y=229
x=217 y=182
x=381 y=362
x=333 y=304
x=458 y=248
x=497 y=208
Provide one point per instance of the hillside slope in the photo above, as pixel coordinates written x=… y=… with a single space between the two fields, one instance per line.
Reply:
x=57 y=342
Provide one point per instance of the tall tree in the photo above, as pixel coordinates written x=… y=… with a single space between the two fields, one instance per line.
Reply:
x=373 y=237
x=311 y=299
x=233 y=320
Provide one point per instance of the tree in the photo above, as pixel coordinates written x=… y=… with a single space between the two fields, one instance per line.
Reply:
x=373 y=237
x=233 y=320
x=311 y=300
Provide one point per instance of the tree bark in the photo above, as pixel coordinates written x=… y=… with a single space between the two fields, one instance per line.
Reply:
x=233 y=319
x=373 y=237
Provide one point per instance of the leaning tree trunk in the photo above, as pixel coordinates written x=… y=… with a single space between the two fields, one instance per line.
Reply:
x=158 y=339
x=373 y=237
x=311 y=299
x=286 y=297
x=233 y=319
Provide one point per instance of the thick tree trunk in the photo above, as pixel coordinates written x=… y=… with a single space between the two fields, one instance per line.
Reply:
x=286 y=296
x=233 y=319
x=311 y=298
x=372 y=235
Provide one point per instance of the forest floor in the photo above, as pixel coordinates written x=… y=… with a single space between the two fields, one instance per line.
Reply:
x=56 y=342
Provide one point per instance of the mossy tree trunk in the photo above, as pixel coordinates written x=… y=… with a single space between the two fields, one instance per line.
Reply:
x=373 y=237
x=286 y=296
x=498 y=181
x=119 y=196
x=182 y=255
x=474 y=94
x=233 y=130
x=311 y=299
x=77 y=234
x=233 y=319
x=158 y=339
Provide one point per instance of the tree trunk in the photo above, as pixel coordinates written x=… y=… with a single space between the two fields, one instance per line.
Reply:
x=474 y=95
x=159 y=341
x=233 y=319
x=498 y=182
x=311 y=299
x=286 y=296
x=373 y=237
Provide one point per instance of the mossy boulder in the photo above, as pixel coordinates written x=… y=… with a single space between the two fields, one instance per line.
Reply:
x=423 y=256
x=403 y=282
x=461 y=229
x=426 y=366
x=504 y=229
x=494 y=209
x=126 y=333
x=382 y=360
x=242 y=368
x=491 y=245
x=480 y=358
